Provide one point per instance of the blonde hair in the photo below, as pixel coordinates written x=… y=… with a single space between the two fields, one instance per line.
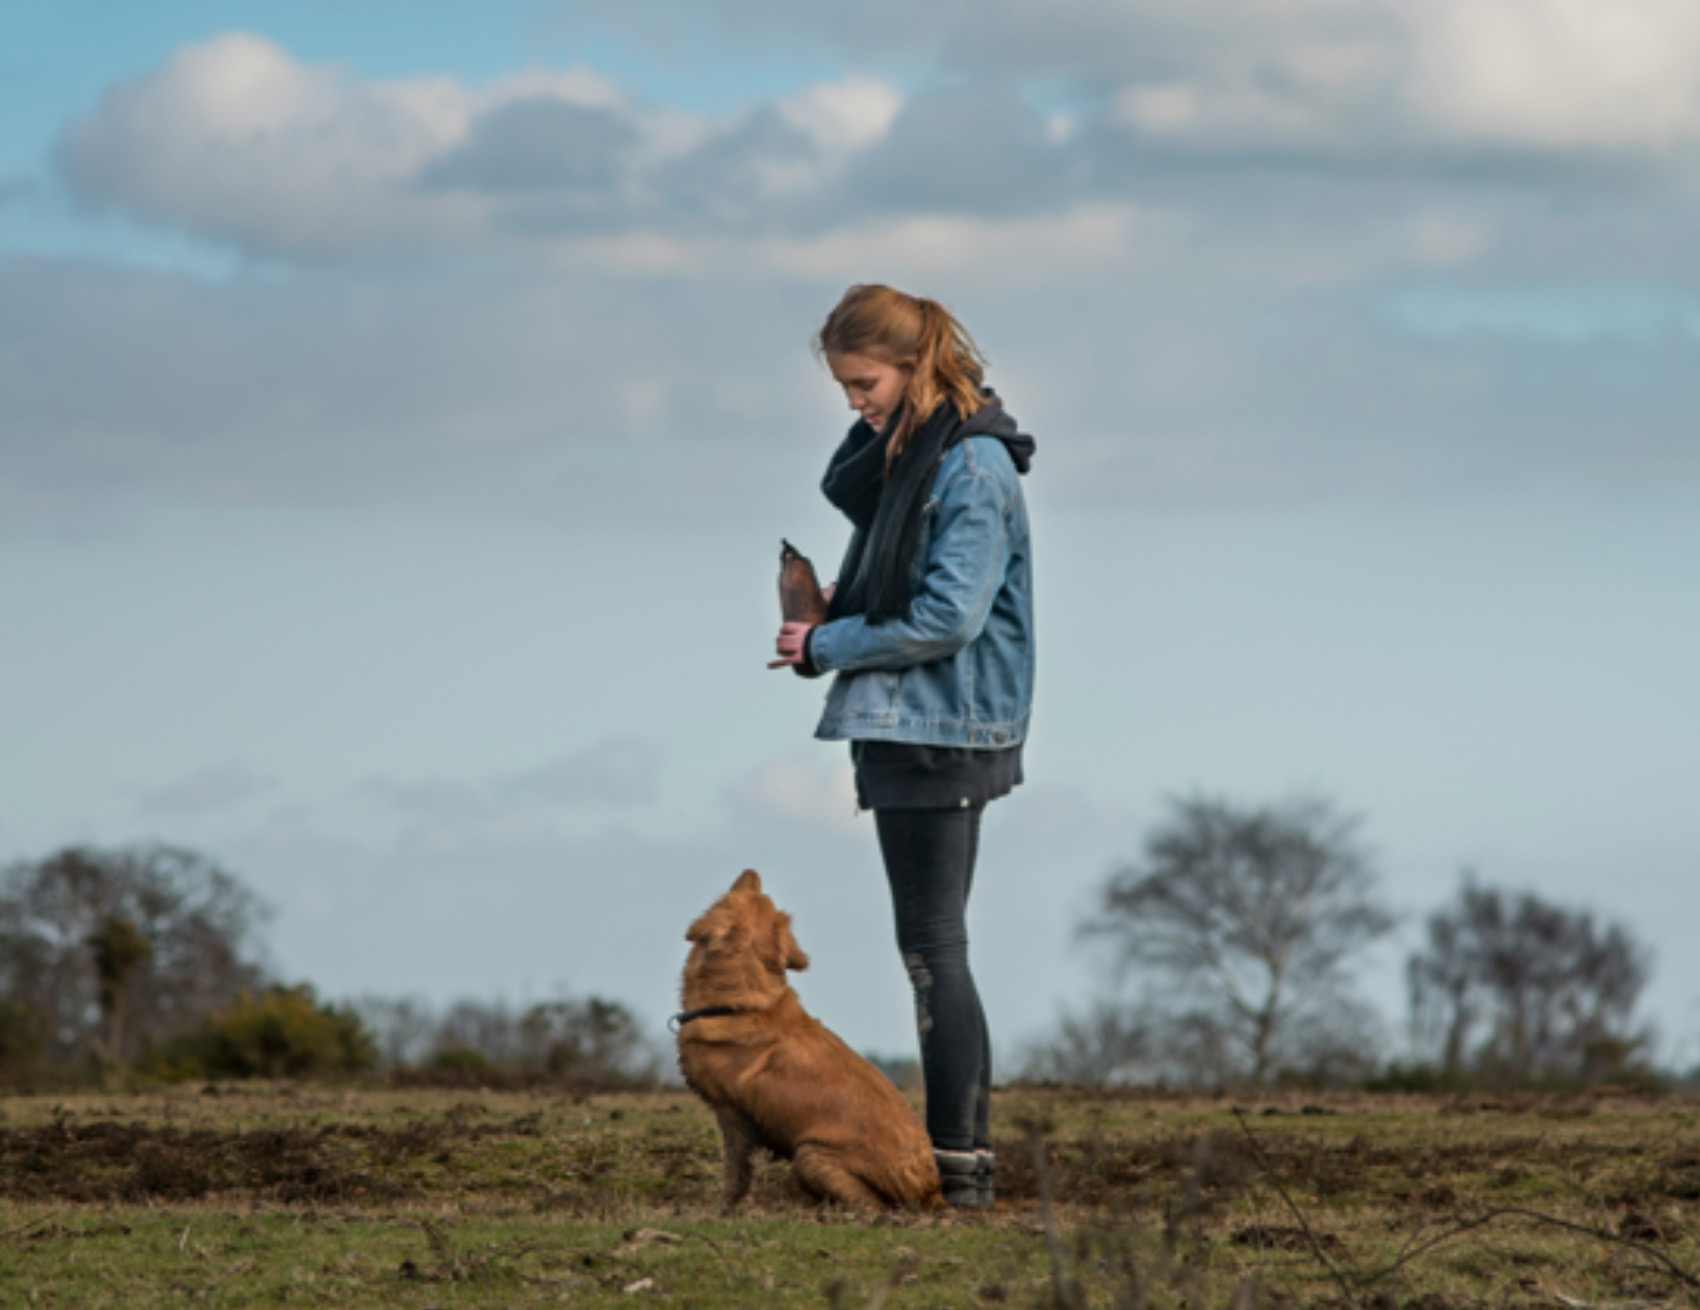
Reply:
x=918 y=335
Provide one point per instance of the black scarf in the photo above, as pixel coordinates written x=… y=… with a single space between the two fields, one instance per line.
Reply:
x=875 y=578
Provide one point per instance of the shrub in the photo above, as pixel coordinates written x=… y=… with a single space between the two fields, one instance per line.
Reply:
x=1424 y=1078
x=460 y=1059
x=283 y=1032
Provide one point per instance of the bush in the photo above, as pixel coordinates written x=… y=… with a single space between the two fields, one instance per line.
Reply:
x=460 y=1059
x=1424 y=1078
x=283 y=1032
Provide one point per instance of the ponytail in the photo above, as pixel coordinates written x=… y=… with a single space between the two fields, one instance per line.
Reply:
x=918 y=335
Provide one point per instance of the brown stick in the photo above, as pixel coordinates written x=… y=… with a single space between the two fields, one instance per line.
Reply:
x=1315 y=1246
x=1671 y=1268
x=24 y=1228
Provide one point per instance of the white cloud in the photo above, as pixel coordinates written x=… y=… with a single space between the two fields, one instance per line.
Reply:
x=235 y=139
x=846 y=115
x=1546 y=76
x=1186 y=275
x=1557 y=74
x=806 y=786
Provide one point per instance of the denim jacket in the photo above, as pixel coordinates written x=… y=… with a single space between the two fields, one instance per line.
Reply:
x=959 y=670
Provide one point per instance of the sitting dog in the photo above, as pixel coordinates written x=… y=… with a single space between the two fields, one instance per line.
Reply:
x=777 y=1078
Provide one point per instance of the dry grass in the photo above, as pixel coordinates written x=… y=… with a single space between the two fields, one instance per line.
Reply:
x=415 y=1197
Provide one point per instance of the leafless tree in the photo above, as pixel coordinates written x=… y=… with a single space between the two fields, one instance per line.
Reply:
x=1104 y=1044
x=1242 y=921
x=1514 y=988
x=192 y=924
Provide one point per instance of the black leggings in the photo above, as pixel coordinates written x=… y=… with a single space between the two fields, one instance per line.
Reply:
x=929 y=860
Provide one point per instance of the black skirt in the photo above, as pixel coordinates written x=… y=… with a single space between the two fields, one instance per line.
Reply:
x=903 y=775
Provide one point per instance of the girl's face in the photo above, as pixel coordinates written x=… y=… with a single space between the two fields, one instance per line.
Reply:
x=873 y=387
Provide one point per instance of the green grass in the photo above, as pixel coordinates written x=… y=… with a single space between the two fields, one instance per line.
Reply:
x=381 y=1197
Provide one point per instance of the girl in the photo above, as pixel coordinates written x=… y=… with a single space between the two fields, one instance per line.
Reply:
x=930 y=630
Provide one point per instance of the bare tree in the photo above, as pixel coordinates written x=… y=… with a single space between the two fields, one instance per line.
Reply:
x=1106 y=1043
x=1242 y=921
x=1513 y=988
x=61 y=962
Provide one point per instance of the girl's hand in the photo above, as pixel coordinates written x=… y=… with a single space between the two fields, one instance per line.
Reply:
x=792 y=638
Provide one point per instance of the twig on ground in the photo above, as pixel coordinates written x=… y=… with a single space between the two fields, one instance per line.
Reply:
x=1562 y=1299
x=1362 y=1281
x=724 y=1258
x=1304 y=1224
x=25 y=1227
x=1671 y=1268
x=240 y=1267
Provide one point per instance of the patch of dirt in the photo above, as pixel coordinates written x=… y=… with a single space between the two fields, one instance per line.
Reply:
x=1097 y=1171
x=1270 y=1237
x=133 y=1162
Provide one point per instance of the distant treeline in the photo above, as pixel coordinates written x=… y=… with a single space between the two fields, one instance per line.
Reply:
x=144 y=963
x=1232 y=943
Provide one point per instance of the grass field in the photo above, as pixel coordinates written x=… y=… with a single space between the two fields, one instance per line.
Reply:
x=244 y=1195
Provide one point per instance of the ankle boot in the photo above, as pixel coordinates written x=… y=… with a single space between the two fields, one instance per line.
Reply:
x=985 y=1166
x=959 y=1173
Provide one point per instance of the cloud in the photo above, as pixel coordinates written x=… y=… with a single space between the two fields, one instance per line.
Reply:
x=1557 y=74
x=617 y=774
x=536 y=145
x=804 y=787
x=973 y=149
x=621 y=771
x=1423 y=78
x=1160 y=357
x=1191 y=237
x=236 y=140
x=207 y=791
x=556 y=391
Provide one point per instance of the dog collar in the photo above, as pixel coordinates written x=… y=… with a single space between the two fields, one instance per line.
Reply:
x=679 y=1020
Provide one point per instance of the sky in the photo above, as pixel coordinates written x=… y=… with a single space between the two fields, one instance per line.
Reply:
x=401 y=407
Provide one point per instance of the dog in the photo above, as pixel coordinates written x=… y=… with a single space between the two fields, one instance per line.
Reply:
x=778 y=1078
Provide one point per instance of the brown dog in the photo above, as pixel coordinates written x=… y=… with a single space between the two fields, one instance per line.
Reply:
x=778 y=1078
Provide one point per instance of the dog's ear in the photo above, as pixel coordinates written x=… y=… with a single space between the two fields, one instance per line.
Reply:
x=703 y=928
x=748 y=881
x=789 y=951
